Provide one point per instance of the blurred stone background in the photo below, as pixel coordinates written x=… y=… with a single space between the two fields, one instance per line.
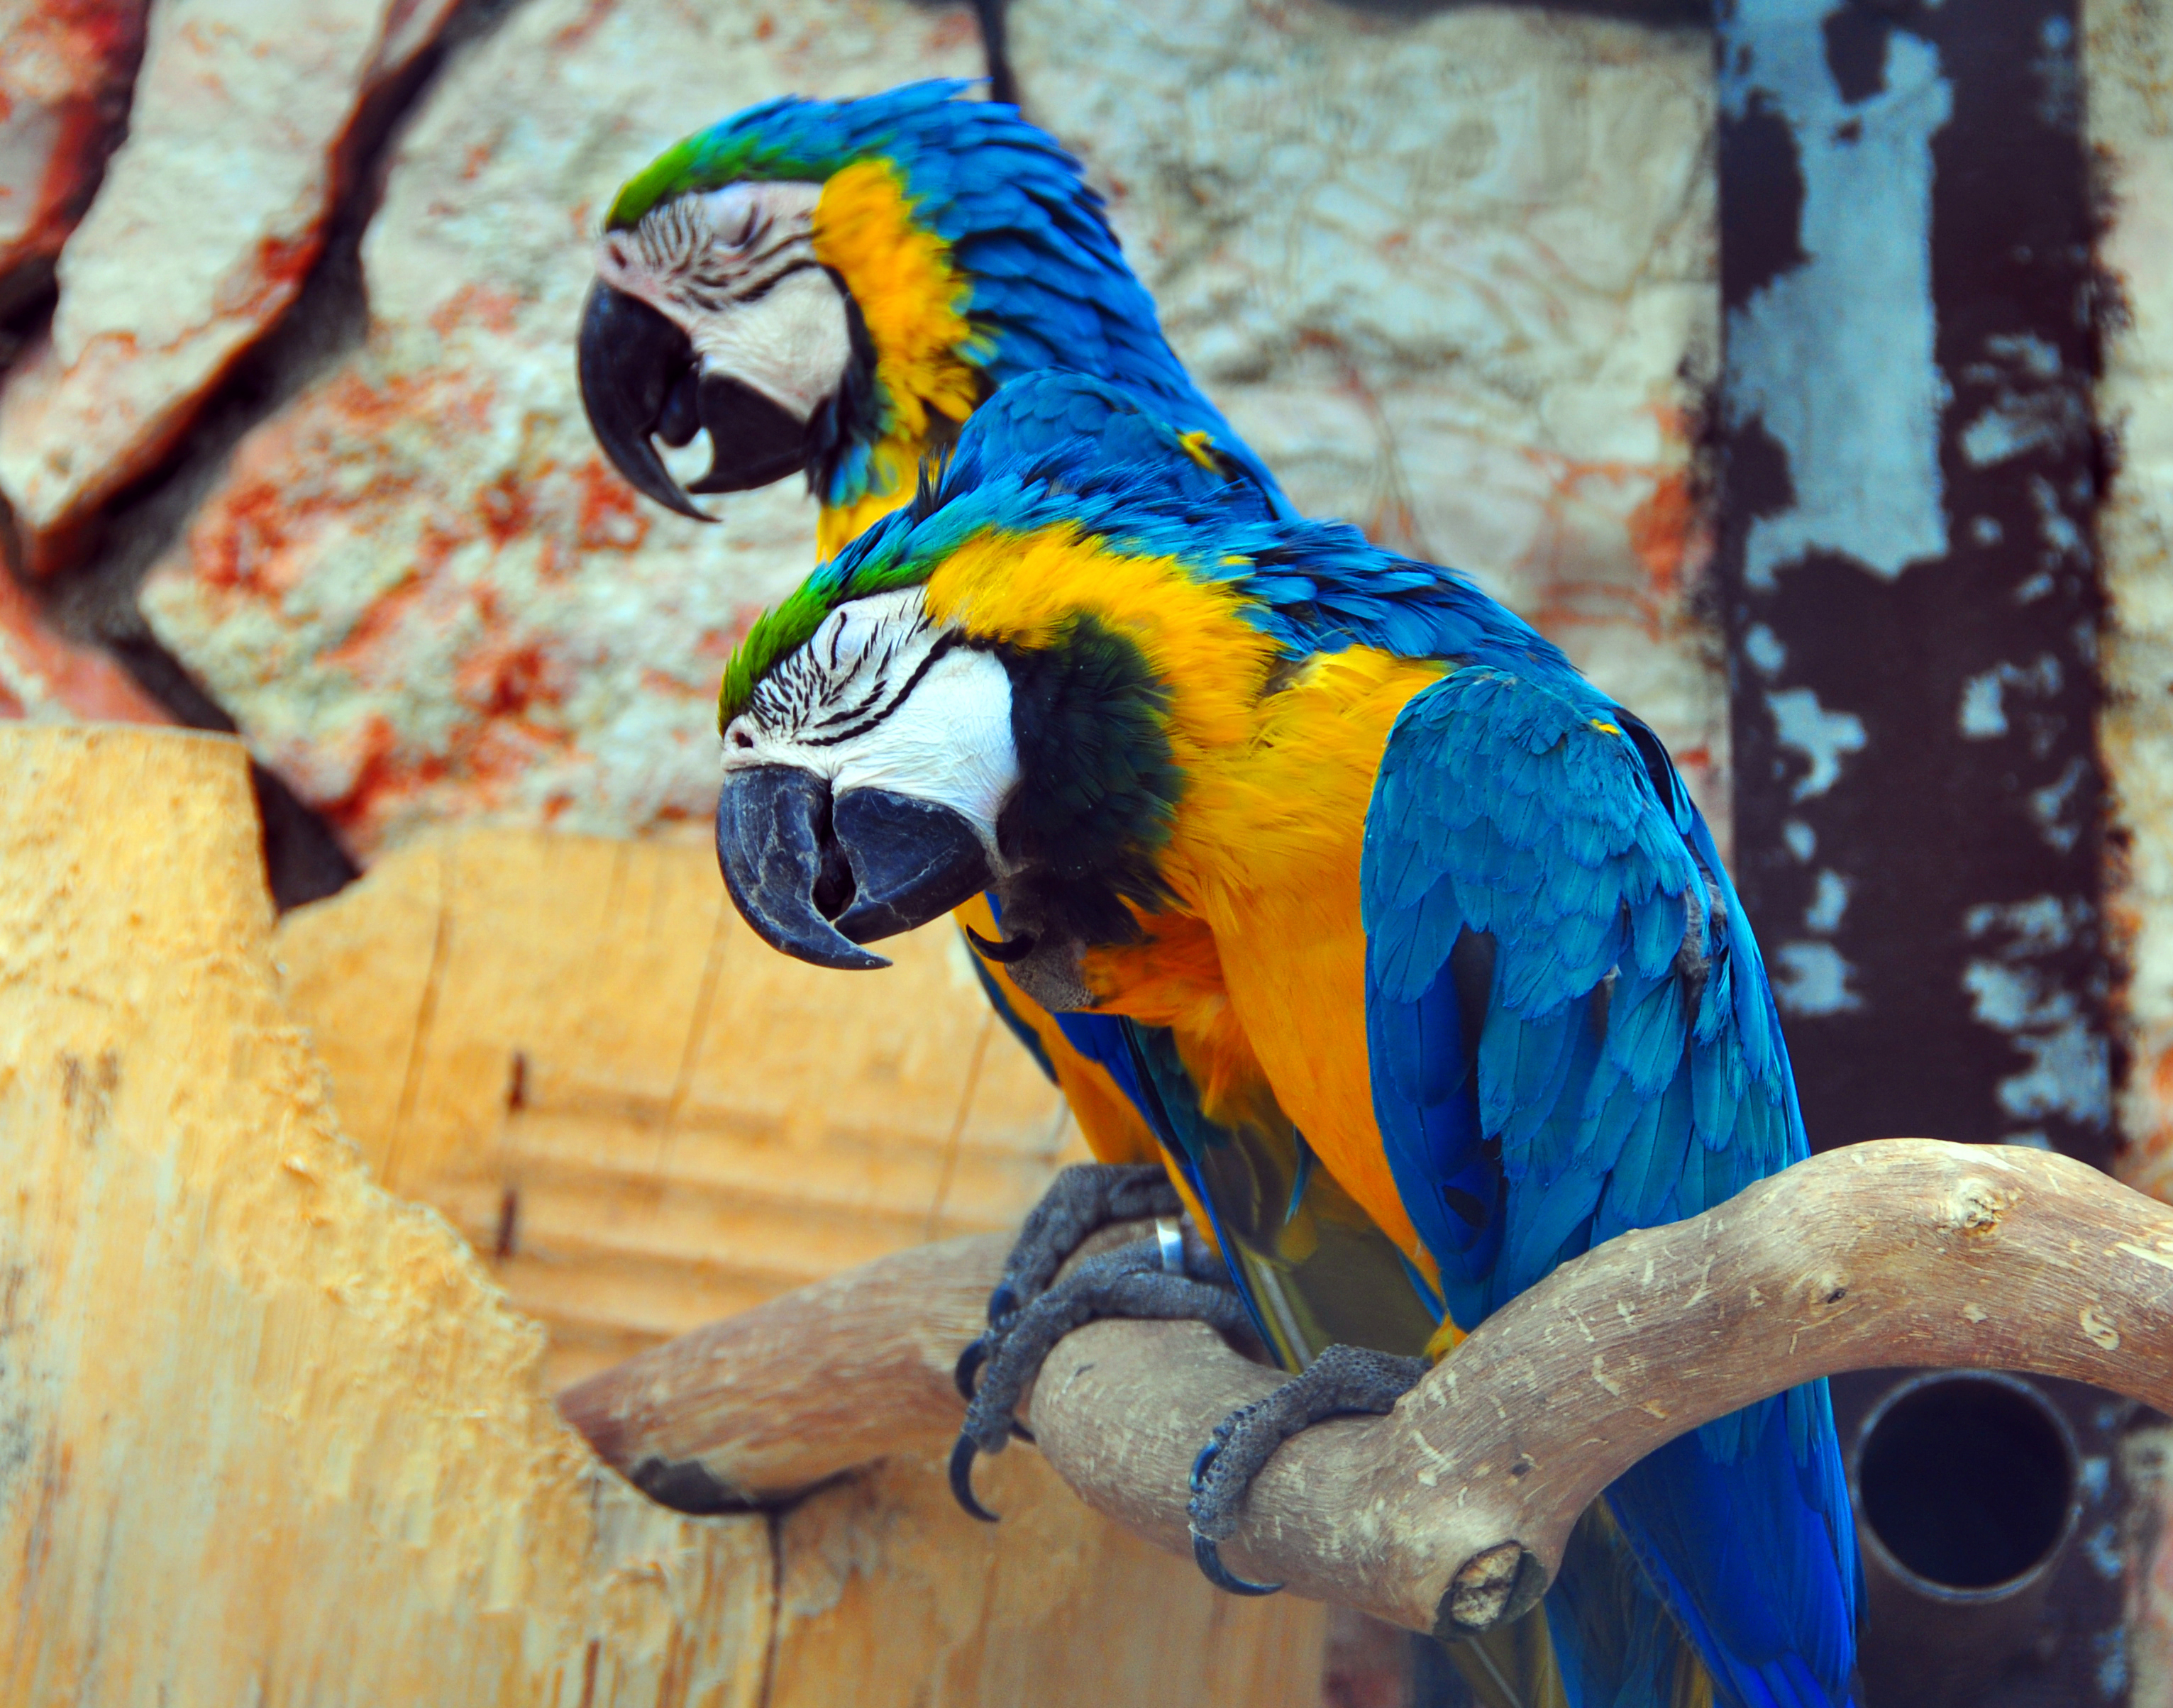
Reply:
x=290 y=445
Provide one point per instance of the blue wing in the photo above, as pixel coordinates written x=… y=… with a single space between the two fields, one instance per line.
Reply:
x=1571 y=1035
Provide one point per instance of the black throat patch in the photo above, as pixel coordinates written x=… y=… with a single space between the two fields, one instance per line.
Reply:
x=1097 y=785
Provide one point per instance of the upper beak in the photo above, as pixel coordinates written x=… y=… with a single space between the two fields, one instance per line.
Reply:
x=817 y=877
x=640 y=381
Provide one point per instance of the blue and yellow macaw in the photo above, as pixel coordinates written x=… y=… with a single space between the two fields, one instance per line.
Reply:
x=1361 y=848
x=834 y=287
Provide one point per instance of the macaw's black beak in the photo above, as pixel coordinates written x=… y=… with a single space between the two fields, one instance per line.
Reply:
x=640 y=383
x=817 y=877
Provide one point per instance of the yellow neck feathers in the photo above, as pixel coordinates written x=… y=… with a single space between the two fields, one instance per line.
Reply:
x=1025 y=589
x=913 y=299
x=1274 y=780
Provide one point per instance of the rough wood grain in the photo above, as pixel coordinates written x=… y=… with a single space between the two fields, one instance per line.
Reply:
x=765 y=1404
x=890 y=1597
x=574 y=1049
x=270 y=1436
x=1451 y=1514
x=762 y=1406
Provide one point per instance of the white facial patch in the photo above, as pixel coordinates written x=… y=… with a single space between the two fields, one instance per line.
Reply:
x=736 y=270
x=792 y=346
x=881 y=699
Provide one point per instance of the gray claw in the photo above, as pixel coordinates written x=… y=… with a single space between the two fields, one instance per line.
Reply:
x=962 y=1480
x=1343 y=1379
x=1128 y=1282
x=1209 y=1559
x=1082 y=1199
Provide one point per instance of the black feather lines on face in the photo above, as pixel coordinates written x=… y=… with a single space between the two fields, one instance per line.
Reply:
x=823 y=696
x=1097 y=785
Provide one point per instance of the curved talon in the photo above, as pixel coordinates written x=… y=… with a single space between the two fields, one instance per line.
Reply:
x=962 y=1480
x=968 y=1366
x=1019 y=1432
x=1003 y=952
x=1003 y=1304
x=1209 y=1561
x=1208 y=1455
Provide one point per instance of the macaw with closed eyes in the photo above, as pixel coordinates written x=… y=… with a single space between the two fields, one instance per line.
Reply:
x=1362 y=848
x=832 y=286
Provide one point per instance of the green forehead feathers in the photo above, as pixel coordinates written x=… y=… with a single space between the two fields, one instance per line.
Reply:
x=785 y=627
x=702 y=162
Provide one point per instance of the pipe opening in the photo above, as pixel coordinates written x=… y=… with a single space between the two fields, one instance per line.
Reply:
x=1968 y=1480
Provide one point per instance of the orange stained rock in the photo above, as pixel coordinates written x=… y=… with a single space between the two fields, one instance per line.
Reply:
x=65 y=66
x=44 y=676
x=230 y=232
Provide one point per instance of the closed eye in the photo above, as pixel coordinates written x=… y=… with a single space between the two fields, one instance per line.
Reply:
x=934 y=652
x=756 y=292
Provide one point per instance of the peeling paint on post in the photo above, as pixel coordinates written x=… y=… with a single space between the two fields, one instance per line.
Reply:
x=1908 y=476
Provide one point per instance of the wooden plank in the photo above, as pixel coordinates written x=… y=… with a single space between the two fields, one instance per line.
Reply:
x=271 y=1434
x=686 y=1123
x=574 y=1049
x=891 y=1597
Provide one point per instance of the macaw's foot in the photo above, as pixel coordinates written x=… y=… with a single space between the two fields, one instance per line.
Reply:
x=1174 y=1275
x=1082 y=1199
x=1342 y=1381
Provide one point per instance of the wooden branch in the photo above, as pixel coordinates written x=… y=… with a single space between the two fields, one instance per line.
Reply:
x=761 y=1407
x=1451 y=1514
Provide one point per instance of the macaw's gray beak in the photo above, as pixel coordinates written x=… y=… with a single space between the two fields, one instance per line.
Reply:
x=640 y=382
x=817 y=877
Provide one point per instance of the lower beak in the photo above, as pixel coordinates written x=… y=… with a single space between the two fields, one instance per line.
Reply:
x=640 y=381
x=817 y=877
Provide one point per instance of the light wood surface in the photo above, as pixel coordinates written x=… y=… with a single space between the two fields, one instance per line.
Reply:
x=272 y=1435
x=268 y=1432
x=892 y=1598
x=642 y=1116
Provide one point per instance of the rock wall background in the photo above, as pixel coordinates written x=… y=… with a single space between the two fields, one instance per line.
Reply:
x=328 y=477
x=2129 y=51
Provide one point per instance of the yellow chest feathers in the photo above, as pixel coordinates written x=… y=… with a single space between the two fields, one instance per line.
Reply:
x=1260 y=972
x=1259 y=965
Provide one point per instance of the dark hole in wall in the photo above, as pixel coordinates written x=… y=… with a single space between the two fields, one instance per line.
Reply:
x=2074 y=1650
x=1966 y=1482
